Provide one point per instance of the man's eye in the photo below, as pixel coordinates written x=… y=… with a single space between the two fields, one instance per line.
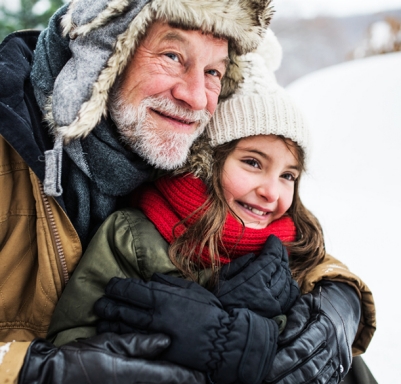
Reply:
x=214 y=73
x=172 y=56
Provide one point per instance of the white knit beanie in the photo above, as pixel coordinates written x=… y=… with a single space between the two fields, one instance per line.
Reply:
x=259 y=106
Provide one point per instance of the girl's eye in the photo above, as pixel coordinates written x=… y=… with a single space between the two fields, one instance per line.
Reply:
x=289 y=177
x=172 y=56
x=252 y=162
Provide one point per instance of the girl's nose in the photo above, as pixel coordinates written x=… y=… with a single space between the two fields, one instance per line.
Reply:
x=269 y=191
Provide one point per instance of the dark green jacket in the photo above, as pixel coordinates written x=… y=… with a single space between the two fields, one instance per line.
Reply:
x=126 y=245
x=129 y=245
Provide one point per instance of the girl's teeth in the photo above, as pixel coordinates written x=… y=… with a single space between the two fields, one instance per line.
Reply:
x=254 y=210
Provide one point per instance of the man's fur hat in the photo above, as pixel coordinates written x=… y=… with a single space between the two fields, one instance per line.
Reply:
x=105 y=33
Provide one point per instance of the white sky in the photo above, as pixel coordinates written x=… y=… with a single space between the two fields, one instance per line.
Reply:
x=311 y=8
x=307 y=8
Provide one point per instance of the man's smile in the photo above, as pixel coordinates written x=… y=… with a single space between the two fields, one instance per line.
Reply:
x=176 y=118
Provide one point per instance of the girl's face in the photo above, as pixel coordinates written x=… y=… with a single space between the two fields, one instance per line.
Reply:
x=259 y=178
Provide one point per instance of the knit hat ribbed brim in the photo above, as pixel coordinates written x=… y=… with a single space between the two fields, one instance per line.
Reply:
x=271 y=114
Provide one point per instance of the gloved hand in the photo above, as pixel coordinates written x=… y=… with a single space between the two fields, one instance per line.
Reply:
x=316 y=344
x=235 y=347
x=106 y=358
x=262 y=284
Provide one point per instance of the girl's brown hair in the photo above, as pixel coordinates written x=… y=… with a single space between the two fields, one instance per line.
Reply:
x=305 y=252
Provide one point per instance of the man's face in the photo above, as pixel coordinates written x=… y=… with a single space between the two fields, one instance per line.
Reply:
x=168 y=92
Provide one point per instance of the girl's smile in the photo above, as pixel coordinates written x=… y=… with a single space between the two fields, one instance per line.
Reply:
x=256 y=211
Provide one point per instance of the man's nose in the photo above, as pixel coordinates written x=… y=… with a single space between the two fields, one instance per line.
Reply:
x=191 y=89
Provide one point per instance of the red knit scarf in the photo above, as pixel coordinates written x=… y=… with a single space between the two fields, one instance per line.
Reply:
x=172 y=199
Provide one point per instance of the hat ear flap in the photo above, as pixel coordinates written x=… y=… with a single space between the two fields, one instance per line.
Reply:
x=200 y=160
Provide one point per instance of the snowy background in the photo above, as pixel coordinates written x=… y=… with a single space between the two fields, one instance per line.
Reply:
x=353 y=183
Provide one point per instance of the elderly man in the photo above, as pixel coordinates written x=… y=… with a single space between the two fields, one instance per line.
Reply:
x=66 y=164
x=109 y=91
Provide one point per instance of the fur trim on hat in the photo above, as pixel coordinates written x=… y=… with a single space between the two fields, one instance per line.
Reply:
x=242 y=22
x=200 y=160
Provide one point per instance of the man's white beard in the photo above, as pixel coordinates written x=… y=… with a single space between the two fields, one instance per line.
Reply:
x=160 y=147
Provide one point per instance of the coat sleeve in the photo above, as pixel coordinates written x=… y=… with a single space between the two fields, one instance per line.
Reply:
x=332 y=269
x=126 y=245
x=12 y=355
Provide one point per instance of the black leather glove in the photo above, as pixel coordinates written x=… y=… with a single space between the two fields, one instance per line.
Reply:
x=316 y=344
x=262 y=284
x=235 y=347
x=106 y=358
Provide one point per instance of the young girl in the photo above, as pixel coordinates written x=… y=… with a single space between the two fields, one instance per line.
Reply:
x=239 y=187
x=248 y=191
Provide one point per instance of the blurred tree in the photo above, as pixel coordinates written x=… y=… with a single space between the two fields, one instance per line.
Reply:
x=383 y=36
x=31 y=14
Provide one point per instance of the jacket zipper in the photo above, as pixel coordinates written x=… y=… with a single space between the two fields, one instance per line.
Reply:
x=56 y=236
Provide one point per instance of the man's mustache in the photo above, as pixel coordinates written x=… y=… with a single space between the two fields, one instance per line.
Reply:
x=167 y=107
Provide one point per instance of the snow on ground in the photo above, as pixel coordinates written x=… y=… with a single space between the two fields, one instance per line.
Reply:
x=354 y=183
